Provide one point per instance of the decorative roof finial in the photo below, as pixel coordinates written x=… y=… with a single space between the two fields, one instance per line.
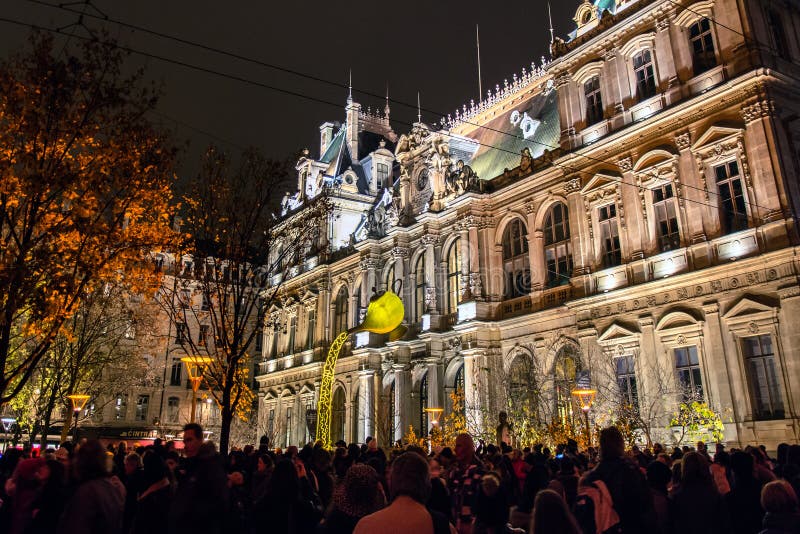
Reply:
x=550 y=16
x=386 y=109
x=350 y=88
x=419 y=109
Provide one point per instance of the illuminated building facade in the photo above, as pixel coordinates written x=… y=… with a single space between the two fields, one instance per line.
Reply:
x=627 y=210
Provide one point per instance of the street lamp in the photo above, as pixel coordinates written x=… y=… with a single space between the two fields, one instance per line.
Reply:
x=78 y=402
x=585 y=395
x=8 y=422
x=434 y=414
x=195 y=365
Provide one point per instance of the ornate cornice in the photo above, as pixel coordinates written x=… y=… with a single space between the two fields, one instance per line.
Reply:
x=572 y=186
x=757 y=110
x=683 y=141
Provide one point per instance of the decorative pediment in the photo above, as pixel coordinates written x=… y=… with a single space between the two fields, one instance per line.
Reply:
x=676 y=319
x=715 y=134
x=310 y=294
x=585 y=73
x=617 y=333
x=602 y=180
x=307 y=388
x=654 y=158
x=747 y=305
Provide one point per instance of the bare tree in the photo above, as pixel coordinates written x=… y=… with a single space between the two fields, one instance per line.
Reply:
x=237 y=255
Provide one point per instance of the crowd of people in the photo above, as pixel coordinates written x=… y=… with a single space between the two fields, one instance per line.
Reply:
x=363 y=489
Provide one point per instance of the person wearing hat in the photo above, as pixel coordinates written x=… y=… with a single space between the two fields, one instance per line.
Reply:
x=358 y=495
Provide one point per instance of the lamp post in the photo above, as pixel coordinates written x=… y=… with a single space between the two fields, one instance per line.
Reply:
x=78 y=402
x=435 y=413
x=8 y=422
x=195 y=365
x=585 y=395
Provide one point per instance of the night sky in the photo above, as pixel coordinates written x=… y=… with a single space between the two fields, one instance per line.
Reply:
x=411 y=46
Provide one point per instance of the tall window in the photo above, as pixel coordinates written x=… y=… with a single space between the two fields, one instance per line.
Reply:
x=271 y=422
x=762 y=377
x=288 y=426
x=120 y=406
x=388 y=282
x=176 y=373
x=419 y=288
x=202 y=338
x=732 y=211
x=557 y=248
x=180 y=332
x=594 y=101
x=392 y=406
x=687 y=365
x=609 y=235
x=274 y=346
x=173 y=406
x=382 y=179
x=516 y=260
x=666 y=218
x=453 y=276
x=645 y=75
x=312 y=327
x=142 y=403
x=340 y=310
x=778 y=32
x=259 y=340
x=702 y=42
x=423 y=405
x=292 y=333
x=566 y=367
x=626 y=381
x=337 y=415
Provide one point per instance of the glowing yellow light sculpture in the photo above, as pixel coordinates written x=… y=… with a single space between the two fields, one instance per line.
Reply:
x=384 y=315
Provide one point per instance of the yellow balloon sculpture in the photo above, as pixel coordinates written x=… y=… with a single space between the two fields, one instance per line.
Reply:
x=384 y=315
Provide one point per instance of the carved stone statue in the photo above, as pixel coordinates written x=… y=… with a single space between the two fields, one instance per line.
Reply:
x=525 y=161
x=462 y=179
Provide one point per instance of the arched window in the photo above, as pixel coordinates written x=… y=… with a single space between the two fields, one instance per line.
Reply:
x=516 y=263
x=459 y=387
x=566 y=367
x=453 y=276
x=594 y=100
x=419 y=288
x=340 y=310
x=388 y=282
x=423 y=405
x=337 y=415
x=557 y=247
x=390 y=412
x=522 y=387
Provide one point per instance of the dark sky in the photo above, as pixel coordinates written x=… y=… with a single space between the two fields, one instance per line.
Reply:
x=413 y=46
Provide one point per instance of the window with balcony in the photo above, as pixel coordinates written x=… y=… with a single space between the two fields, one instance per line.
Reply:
x=644 y=73
x=609 y=235
x=731 y=202
x=419 y=288
x=763 y=378
x=687 y=366
x=626 y=381
x=594 y=101
x=557 y=246
x=340 y=311
x=665 y=210
x=453 y=276
x=701 y=41
x=516 y=260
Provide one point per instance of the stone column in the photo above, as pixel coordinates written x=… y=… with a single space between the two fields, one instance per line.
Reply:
x=401 y=396
x=472 y=391
x=429 y=242
x=789 y=344
x=535 y=250
x=720 y=368
x=694 y=209
x=563 y=84
x=756 y=157
x=665 y=59
x=611 y=83
x=630 y=216
x=400 y=256
x=581 y=234
x=366 y=404
x=435 y=385
x=474 y=266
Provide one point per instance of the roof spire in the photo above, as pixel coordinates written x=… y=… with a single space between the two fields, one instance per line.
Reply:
x=550 y=16
x=386 y=108
x=350 y=88
x=419 y=109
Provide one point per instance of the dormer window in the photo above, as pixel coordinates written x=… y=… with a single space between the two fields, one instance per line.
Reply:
x=381 y=175
x=594 y=101
x=645 y=75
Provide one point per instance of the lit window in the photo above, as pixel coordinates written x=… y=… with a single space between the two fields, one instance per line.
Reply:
x=565 y=370
x=419 y=288
x=626 y=381
x=687 y=366
x=142 y=402
x=762 y=377
x=594 y=101
x=702 y=43
x=312 y=327
x=609 y=235
x=176 y=372
x=666 y=218
x=557 y=247
x=645 y=75
x=732 y=211
x=453 y=276
x=340 y=311
x=382 y=176
x=120 y=406
x=292 y=332
x=516 y=260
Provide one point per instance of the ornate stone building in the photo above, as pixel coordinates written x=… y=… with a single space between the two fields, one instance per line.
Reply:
x=627 y=209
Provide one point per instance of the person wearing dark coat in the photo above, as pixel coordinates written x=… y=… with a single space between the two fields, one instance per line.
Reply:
x=200 y=504
x=358 y=495
x=153 y=502
x=780 y=502
x=98 y=503
x=287 y=507
x=698 y=508
x=744 y=499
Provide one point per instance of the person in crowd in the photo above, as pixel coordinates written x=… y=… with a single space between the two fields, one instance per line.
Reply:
x=287 y=507
x=745 y=495
x=359 y=495
x=25 y=488
x=491 y=505
x=98 y=504
x=410 y=487
x=625 y=482
x=260 y=479
x=133 y=478
x=779 y=501
x=200 y=504
x=550 y=515
x=439 y=499
x=50 y=505
x=463 y=482
x=698 y=506
x=658 y=478
x=153 y=502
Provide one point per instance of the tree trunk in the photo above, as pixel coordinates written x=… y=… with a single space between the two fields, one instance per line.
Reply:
x=225 y=429
x=65 y=428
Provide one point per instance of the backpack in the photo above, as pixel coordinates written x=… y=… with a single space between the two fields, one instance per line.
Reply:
x=594 y=509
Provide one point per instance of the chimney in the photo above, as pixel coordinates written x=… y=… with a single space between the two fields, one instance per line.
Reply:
x=325 y=136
